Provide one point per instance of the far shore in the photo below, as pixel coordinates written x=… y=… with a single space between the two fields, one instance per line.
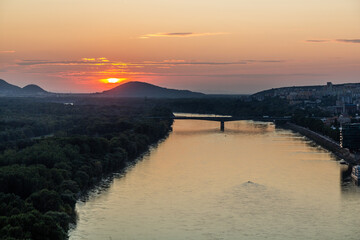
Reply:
x=325 y=142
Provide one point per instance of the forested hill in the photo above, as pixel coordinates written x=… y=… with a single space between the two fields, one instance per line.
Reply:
x=141 y=89
x=51 y=153
x=270 y=92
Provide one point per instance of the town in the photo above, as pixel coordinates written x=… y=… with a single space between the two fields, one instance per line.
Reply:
x=340 y=102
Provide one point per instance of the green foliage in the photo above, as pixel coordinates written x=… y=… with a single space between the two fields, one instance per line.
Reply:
x=45 y=201
x=41 y=178
x=316 y=125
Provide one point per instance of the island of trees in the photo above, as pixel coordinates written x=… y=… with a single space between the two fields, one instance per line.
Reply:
x=51 y=153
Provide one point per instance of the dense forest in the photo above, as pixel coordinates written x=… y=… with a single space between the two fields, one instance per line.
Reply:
x=52 y=152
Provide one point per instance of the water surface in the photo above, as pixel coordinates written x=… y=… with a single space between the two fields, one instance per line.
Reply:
x=252 y=181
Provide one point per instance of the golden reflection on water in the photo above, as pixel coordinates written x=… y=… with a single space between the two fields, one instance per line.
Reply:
x=251 y=181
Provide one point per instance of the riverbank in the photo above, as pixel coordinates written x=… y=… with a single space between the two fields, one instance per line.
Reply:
x=323 y=141
x=42 y=179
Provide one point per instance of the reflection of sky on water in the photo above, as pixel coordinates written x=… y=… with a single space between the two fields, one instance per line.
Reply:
x=251 y=181
x=178 y=114
x=232 y=127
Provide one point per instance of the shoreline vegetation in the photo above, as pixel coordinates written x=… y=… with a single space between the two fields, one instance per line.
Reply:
x=41 y=179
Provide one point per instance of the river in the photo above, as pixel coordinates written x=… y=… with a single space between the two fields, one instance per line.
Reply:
x=252 y=181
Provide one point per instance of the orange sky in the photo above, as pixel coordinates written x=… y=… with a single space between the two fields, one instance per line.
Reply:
x=229 y=46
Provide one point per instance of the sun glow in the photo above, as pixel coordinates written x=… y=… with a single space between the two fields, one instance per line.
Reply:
x=113 y=80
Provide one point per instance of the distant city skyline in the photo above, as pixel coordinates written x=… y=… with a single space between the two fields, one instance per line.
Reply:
x=228 y=47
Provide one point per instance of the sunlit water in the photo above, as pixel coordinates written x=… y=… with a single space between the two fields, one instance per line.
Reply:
x=250 y=182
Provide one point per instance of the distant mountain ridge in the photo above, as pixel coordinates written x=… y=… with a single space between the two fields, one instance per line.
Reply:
x=141 y=89
x=7 y=89
x=128 y=90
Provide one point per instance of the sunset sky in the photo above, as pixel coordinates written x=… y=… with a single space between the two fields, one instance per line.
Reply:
x=212 y=46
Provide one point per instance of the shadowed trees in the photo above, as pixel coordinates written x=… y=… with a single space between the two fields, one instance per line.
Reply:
x=41 y=178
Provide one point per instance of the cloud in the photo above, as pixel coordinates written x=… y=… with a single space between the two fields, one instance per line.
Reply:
x=7 y=51
x=348 y=40
x=183 y=62
x=264 y=61
x=244 y=75
x=317 y=40
x=34 y=60
x=84 y=61
x=334 y=40
x=181 y=34
x=103 y=67
x=86 y=74
x=106 y=62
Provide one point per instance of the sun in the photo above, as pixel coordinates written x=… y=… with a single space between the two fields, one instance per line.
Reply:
x=113 y=80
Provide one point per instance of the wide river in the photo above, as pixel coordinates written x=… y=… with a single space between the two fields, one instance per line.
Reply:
x=252 y=181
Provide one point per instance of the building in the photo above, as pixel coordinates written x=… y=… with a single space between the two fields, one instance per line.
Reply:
x=350 y=108
x=329 y=87
x=350 y=136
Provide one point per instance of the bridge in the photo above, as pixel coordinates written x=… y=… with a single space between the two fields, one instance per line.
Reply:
x=223 y=119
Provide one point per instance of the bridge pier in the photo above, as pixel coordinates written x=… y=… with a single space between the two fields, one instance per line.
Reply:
x=222 y=126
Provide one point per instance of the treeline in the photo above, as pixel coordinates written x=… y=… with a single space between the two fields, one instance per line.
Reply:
x=276 y=107
x=25 y=118
x=41 y=179
x=317 y=125
x=308 y=117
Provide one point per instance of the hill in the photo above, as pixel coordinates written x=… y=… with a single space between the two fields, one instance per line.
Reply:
x=129 y=89
x=141 y=89
x=331 y=89
x=32 y=88
x=9 y=90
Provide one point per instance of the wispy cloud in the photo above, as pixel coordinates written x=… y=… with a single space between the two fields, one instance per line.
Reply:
x=83 y=61
x=183 y=62
x=348 y=40
x=317 y=40
x=7 y=51
x=264 y=61
x=240 y=75
x=90 y=68
x=333 y=40
x=106 y=62
x=181 y=34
